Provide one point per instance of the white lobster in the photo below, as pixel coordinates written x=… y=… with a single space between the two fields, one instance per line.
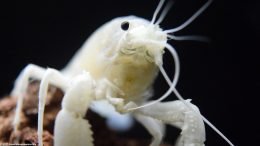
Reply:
x=114 y=72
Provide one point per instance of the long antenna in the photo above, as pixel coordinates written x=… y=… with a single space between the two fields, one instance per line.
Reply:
x=191 y=19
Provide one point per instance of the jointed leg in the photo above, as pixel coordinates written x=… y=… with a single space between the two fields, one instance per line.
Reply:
x=21 y=84
x=54 y=77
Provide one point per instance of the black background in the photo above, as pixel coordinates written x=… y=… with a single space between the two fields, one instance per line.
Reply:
x=221 y=76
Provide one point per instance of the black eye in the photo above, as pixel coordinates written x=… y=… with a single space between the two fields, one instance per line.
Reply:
x=125 y=25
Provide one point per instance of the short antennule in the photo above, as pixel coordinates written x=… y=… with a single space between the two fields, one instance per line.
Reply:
x=164 y=12
x=159 y=7
x=189 y=38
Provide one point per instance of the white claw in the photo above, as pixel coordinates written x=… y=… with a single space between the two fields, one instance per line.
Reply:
x=71 y=129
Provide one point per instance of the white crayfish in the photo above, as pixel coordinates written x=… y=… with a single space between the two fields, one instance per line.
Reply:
x=113 y=73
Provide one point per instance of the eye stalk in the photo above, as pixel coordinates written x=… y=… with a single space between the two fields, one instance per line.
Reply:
x=125 y=25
